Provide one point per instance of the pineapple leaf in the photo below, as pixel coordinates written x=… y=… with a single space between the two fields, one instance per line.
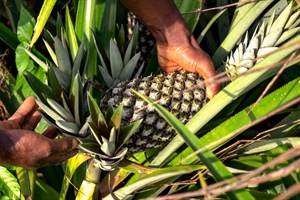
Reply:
x=62 y=78
x=115 y=59
x=108 y=148
x=69 y=127
x=286 y=35
x=113 y=135
x=293 y=20
x=90 y=147
x=65 y=102
x=126 y=132
x=94 y=109
x=106 y=76
x=131 y=48
x=129 y=68
x=49 y=111
x=51 y=52
x=78 y=60
x=121 y=37
x=37 y=86
x=83 y=132
x=103 y=63
x=66 y=115
x=282 y=19
x=109 y=113
x=71 y=35
x=55 y=85
x=95 y=132
x=115 y=120
x=77 y=99
x=63 y=59
x=121 y=153
x=36 y=59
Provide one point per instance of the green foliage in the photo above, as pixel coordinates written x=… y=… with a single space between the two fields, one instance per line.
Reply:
x=9 y=185
x=59 y=81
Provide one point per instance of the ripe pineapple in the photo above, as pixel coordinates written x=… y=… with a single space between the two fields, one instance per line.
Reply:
x=169 y=90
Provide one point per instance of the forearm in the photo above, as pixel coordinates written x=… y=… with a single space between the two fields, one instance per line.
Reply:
x=161 y=17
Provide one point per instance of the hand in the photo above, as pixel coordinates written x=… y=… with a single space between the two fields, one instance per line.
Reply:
x=177 y=48
x=187 y=55
x=21 y=146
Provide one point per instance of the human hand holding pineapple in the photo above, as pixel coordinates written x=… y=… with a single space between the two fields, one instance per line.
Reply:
x=177 y=48
x=21 y=146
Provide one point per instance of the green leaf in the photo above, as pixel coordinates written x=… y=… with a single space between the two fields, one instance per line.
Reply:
x=154 y=177
x=37 y=60
x=51 y=52
x=56 y=87
x=25 y=26
x=77 y=99
x=44 y=191
x=67 y=116
x=94 y=109
x=188 y=6
x=39 y=88
x=266 y=145
x=131 y=48
x=115 y=59
x=63 y=59
x=23 y=61
x=126 y=132
x=72 y=164
x=116 y=118
x=108 y=24
x=8 y=36
x=42 y=19
x=215 y=166
x=71 y=35
x=49 y=111
x=9 y=184
x=129 y=68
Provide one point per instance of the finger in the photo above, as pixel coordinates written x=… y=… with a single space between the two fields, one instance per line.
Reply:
x=27 y=107
x=31 y=120
x=50 y=132
x=197 y=60
x=63 y=145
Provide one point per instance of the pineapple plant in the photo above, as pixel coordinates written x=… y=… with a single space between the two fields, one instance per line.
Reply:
x=266 y=39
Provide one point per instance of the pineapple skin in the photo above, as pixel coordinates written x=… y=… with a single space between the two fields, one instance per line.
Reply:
x=181 y=93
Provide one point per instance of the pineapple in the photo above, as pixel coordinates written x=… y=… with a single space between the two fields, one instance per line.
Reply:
x=266 y=39
x=173 y=91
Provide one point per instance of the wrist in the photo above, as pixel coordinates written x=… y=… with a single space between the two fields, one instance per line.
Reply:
x=175 y=33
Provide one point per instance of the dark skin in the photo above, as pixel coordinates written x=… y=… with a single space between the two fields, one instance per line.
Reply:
x=177 y=50
x=21 y=146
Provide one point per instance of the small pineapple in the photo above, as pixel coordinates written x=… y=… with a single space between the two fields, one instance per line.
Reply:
x=173 y=91
x=266 y=39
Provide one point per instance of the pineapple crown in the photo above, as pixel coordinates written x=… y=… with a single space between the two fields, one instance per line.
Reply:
x=266 y=39
x=115 y=69
x=63 y=98
x=108 y=136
